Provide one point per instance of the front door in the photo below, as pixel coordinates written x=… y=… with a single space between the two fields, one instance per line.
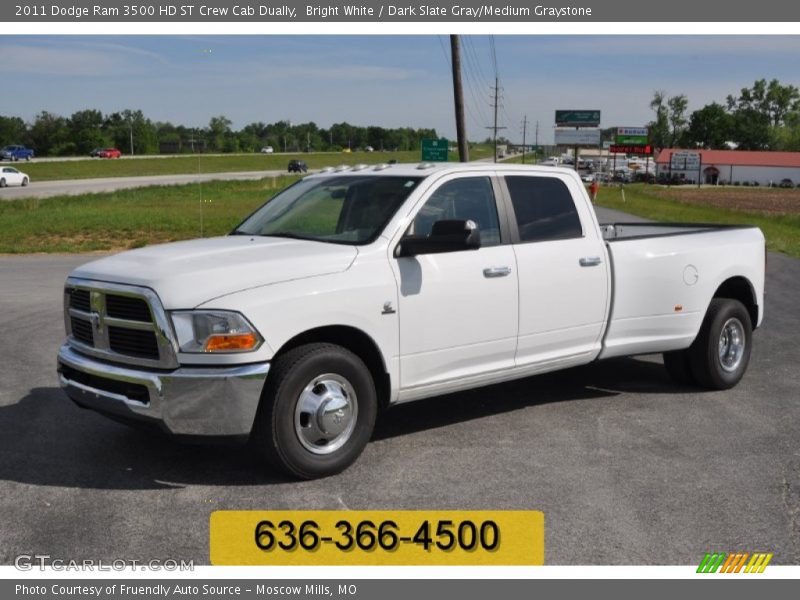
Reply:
x=457 y=310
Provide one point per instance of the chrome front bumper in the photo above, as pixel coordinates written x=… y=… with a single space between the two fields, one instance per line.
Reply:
x=192 y=401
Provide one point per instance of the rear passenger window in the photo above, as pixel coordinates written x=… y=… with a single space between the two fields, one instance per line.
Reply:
x=544 y=209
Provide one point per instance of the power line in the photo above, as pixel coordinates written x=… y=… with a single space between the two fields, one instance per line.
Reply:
x=484 y=81
x=494 y=56
x=471 y=85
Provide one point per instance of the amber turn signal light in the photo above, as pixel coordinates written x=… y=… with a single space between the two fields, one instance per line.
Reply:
x=231 y=343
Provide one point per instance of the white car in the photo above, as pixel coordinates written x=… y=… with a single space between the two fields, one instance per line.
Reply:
x=11 y=176
x=267 y=150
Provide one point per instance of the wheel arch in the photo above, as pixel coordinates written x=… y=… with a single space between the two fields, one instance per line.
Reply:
x=739 y=288
x=356 y=341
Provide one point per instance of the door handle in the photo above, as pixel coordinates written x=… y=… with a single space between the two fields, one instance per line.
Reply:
x=496 y=272
x=590 y=261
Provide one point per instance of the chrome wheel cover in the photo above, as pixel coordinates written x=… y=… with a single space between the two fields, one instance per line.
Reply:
x=326 y=414
x=731 y=344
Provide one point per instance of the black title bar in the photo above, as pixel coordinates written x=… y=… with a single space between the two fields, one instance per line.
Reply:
x=374 y=11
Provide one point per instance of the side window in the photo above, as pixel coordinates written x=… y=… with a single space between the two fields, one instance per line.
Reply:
x=544 y=209
x=463 y=199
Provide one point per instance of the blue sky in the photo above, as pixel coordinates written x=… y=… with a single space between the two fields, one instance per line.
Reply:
x=387 y=80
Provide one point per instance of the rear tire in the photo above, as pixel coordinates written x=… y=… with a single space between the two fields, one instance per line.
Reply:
x=317 y=411
x=679 y=368
x=720 y=354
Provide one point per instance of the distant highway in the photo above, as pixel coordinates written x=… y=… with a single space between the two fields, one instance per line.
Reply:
x=73 y=187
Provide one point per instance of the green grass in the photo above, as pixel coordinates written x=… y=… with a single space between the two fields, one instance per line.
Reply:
x=142 y=216
x=216 y=163
x=130 y=218
x=781 y=231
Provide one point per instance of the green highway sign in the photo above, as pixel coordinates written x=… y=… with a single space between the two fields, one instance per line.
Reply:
x=434 y=150
x=578 y=118
x=628 y=140
x=632 y=136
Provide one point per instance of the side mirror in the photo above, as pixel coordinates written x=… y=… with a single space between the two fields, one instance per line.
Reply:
x=446 y=236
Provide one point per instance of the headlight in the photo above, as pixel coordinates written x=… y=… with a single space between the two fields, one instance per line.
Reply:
x=214 y=331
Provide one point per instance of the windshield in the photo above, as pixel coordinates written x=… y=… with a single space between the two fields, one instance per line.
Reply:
x=346 y=209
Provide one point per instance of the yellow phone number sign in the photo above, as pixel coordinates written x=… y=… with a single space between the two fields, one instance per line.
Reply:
x=512 y=537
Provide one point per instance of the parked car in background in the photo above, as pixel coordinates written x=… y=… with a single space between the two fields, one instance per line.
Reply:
x=109 y=153
x=267 y=150
x=16 y=152
x=298 y=166
x=96 y=152
x=10 y=176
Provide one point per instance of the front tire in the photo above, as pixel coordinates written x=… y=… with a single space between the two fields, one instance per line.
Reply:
x=24 y=181
x=2 y=183
x=317 y=411
x=720 y=354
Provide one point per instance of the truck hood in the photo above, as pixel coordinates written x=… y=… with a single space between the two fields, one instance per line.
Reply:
x=187 y=274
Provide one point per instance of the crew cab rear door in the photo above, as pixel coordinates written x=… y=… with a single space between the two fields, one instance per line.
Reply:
x=457 y=310
x=562 y=266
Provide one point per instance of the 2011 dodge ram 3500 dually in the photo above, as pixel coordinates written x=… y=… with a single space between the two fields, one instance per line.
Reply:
x=362 y=287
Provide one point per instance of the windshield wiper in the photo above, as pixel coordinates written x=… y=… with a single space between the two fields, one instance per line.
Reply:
x=290 y=235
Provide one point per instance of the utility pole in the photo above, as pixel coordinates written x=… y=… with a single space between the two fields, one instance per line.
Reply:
x=458 y=97
x=524 y=130
x=496 y=107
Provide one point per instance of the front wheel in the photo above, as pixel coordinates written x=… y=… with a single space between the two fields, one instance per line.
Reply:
x=2 y=183
x=720 y=354
x=24 y=181
x=317 y=411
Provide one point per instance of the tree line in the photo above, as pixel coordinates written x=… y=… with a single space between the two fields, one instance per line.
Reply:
x=132 y=132
x=765 y=116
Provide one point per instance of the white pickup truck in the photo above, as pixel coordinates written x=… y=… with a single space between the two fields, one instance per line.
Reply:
x=362 y=287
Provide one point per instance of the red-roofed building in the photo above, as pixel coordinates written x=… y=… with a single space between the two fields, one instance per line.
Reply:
x=729 y=166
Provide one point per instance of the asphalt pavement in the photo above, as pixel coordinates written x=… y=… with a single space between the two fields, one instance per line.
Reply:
x=628 y=467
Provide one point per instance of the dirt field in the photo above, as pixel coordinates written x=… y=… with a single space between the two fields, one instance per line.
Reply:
x=770 y=201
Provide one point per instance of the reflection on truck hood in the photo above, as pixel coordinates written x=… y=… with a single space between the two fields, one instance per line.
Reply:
x=186 y=274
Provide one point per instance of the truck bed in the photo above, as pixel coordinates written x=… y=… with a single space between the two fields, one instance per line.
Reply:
x=664 y=276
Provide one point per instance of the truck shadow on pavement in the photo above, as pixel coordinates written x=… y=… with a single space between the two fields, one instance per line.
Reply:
x=46 y=440
x=604 y=379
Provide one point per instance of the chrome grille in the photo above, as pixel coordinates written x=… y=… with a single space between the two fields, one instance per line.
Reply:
x=79 y=299
x=82 y=330
x=127 y=307
x=120 y=323
x=133 y=342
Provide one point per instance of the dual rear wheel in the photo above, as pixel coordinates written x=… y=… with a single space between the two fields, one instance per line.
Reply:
x=719 y=356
